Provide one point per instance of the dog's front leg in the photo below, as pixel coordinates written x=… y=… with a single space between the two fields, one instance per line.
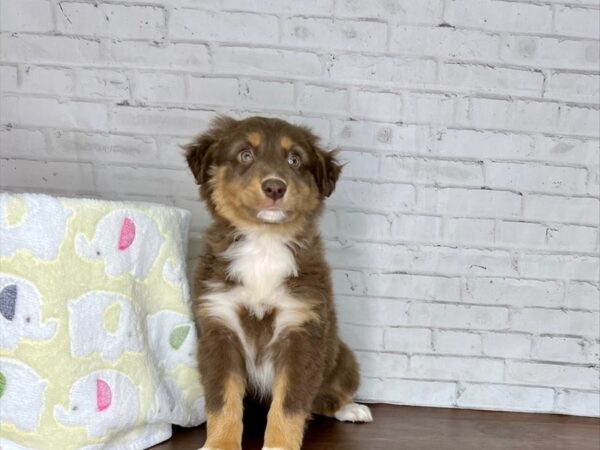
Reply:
x=222 y=371
x=297 y=380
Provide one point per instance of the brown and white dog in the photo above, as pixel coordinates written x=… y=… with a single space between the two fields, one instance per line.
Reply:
x=263 y=293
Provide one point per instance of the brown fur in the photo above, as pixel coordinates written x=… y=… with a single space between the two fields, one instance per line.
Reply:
x=313 y=370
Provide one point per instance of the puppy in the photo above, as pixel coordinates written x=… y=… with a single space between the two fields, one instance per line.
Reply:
x=263 y=293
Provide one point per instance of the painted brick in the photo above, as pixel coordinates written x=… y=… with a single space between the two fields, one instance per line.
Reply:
x=270 y=94
x=552 y=375
x=413 y=392
x=412 y=286
x=573 y=237
x=469 y=231
x=80 y=146
x=381 y=364
x=426 y=11
x=217 y=91
x=382 y=69
x=551 y=52
x=416 y=228
x=371 y=311
x=377 y=105
x=522 y=234
x=560 y=266
x=456 y=368
x=48 y=112
x=469 y=202
x=337 y=34
x=480 y=144
x=564 y=349
x=457 y=342
x=117 y=21
x=40 y=175
x=446 y=42
x=156 y=54
x=578 y=120
x=408 y=340
x=364 y=226
x=508 y=291
x=573 y=87
x=322 y=99
x=172 y=121
x=160 y=87
x=361 y=337
x=507 y=345
x=564 y=149
x=582 y=295
x=365 y=134
x=26 y=15
x=535 y=177
x=102 y=84
x=359 y=164
x=511 y=398
x=579 y=323
x=558 y=209
x=348 y=282
x=32 y=47
x=243 y=60
x=577 y=21
x=8 y=78
x=579 y=403
x=217 y=26
x=437 y=171
x=384 y=196
x=478 y=78
x=501 y=16
x=458 y=316
x=322 y=7
x=428 y=108
x=15 y=143
x=133 y=180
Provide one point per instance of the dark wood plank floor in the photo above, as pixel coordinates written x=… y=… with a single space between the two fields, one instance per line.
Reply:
x=412 y=428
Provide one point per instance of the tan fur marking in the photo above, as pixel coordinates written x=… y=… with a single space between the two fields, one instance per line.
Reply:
x=224 y=429
x=254 y=139
x=286 y=143
x=284 y=430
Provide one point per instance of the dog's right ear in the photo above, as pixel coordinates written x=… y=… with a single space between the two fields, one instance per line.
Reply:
x=199 y=154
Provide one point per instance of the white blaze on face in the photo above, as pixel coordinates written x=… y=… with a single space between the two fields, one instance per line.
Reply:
x=271 y=215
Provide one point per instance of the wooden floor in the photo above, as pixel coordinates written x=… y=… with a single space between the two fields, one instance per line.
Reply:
x=412 y=428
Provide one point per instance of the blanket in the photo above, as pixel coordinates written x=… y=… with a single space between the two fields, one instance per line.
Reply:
x=97 y=342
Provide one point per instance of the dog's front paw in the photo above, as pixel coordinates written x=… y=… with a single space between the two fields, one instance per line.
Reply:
x=353 y=412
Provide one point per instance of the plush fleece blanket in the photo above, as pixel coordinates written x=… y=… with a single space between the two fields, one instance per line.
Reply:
x=97 y=342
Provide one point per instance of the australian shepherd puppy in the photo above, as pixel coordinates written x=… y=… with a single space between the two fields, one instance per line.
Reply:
x=263 y=292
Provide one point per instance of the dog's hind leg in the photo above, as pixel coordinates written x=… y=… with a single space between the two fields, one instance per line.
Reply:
x=335 y=396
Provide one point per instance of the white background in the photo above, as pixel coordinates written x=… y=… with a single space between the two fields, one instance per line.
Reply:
x=464 y=233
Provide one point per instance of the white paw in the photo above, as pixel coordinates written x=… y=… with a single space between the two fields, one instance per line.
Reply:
x=353 y=412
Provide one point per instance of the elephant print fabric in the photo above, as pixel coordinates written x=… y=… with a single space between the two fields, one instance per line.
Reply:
x=97 y=341
x=100 y=401
x=125 y=241
x=104 y=323
x=25 y=218
x=21 y=395
x=20 y=313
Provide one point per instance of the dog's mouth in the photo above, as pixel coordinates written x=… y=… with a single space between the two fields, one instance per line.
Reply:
x=272 y=214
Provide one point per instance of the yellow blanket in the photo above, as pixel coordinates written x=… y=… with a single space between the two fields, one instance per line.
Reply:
x=97 y=342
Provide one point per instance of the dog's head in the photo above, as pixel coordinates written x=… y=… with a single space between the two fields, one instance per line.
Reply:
x=261 y=172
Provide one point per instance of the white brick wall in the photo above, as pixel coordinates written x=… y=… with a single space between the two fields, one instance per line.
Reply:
x=464 y=233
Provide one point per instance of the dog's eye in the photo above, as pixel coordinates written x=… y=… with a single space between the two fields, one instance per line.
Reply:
x=294 y=160
x=246 y=156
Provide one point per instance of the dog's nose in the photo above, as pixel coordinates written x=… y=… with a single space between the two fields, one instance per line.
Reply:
x=274 y=188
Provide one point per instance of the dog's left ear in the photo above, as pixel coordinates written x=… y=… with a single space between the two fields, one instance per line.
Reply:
x=328 y=171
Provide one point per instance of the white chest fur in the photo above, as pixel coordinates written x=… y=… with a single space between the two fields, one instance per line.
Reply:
x=261 y=264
